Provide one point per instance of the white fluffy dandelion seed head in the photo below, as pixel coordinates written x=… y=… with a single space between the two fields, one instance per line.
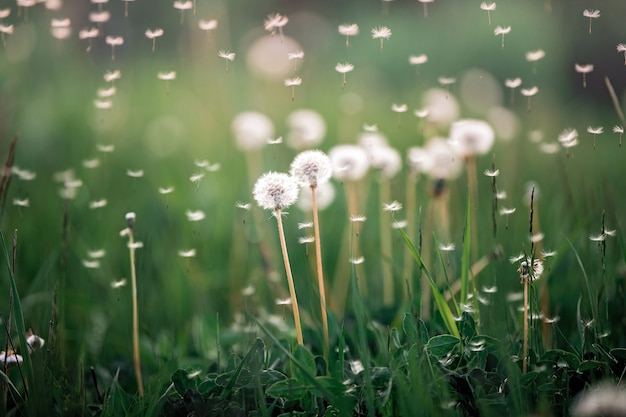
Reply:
x=324 y=196
x=251 y=130
x=311 y=168
x=275 y=191
x=349 y=162
x=387 y=160
x=601 y=400
x=472 y=137
x=307 y=128
x=443 y=107
x=418 y=160
x=445 y=162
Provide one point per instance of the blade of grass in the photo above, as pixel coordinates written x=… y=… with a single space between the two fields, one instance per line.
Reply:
x=445 y=273
x=582 y=268
x=18 y=316
x=443 y=307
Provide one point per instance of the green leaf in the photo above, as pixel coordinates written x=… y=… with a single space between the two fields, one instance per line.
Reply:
x=588 y=365
x=329 y=396
x=467 y=326
x=256 y=358
x=269 y=376
x=234 y=379
x=289 y=389
x=554 y=356
x=414 y=334
x=441 y=345
x=443 y=307
x=306 y=358
x=395 y=338
x=329 y=384
x=182 y=382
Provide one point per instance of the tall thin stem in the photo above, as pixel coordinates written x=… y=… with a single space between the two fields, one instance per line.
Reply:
x=292 y=288
x=133 y=277
x=525 y=348
x=320 y=277
x=385 y=245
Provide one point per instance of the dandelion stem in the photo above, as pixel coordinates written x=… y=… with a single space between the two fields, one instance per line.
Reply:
x=471 y=184
x=292 y=289
x=133 y=278
x=385 y=245
x=411 y=183
x=320 y=277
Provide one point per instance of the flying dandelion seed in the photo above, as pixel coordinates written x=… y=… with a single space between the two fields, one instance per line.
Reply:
x=595 y=131
x=306 y=239
x=343 y=69
x=501 y=31
x=357 y=261
x=103 y=104
x=529 y=92
x=275 y=21
x=584 y=70
x=357 y=218
x=620 y=131
x=208 y=26
x=448 y=247
x=182 y=6
x=283 y=301
x=114 y=41
x=446 y=81
x=111 y=76
x=187 y=253
x=5 y=30
x=21 y=202
x=513 y=83
x=347 y=30
x=293 y=82
x=381 y=32
x=118 y=284
x=399 y=224
x=195 y=216
x=295 y=56
x=425 y=3
x=548 y=254
x=91 y=264
x=621 y=47
x=196 y=178
x=418 y=60
x=106 y=92
x=276 y=141
x=242 y=205
x=488 y=7
x=167 y=77
x=60 y=28
x=534 y=57
x=105 y=148
x=591 y=14
x=89 y=34
x=96 y=204
x=399 y=108
x=228 y=56
x=165 y=190
x=491 y=173
x=96 y=254
x=135 y=173
x=153 y=35
x=392 y=206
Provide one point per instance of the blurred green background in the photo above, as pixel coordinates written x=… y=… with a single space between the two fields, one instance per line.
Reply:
x=48 y=87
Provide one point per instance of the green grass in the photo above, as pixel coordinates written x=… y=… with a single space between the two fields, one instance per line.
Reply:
x=211 y=337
